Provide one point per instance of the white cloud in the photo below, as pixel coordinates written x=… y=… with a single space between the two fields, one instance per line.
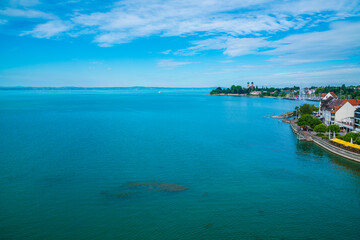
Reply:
x=49 y=29
x=170 y=64
x=167 y=52
x=230 y=45
x=319 y=73
x=136 y=18
x=236 y=27
x=3 y=21
x=317 y=6
x=349 y=75
x=132 y=19
x=338 y=43
x=26 y=13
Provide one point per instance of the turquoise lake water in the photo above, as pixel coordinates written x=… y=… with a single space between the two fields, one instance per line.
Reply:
x=66 y=158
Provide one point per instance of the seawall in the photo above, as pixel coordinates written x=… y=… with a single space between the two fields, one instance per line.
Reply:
x=303 y=135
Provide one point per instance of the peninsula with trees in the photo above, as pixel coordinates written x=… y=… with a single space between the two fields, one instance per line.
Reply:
x=293 y=93
x=252 y=90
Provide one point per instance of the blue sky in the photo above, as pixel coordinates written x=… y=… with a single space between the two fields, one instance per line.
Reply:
x=179 y=43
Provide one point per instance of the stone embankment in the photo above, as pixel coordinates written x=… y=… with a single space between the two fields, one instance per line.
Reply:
x=324 y=143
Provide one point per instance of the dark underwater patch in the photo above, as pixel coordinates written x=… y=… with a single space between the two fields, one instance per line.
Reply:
x=140 y=188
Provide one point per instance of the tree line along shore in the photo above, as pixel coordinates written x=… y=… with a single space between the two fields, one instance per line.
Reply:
x=311 y=93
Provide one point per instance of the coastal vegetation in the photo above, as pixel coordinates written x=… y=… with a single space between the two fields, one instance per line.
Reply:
x=344 y=92
x=314 y=93
x=354 y=136
x=233 y=90
x=320 y=128
x=261 y=92
x=333 y=128
x=305 y=109
x=307 y=121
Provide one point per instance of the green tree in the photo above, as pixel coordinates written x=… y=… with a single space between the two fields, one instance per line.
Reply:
x=320 y=128
x=305 y=121
x=307 y=108
x=315 y=122
x=352 y=136
x=333 y=128
x=217 y=91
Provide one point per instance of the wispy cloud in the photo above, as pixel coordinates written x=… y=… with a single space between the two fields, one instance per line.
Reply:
x=318 y=77
x=166 y=52
x=235 y=27
x=26 y=13
x=230 y=45
x=128 y=20
x=171 y=64
x=49 y=29
x=340 y=42
x=319 y=73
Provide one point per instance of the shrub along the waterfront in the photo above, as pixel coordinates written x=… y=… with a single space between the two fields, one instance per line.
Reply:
x=352 y=136
x=322 y=136
x=341 y=137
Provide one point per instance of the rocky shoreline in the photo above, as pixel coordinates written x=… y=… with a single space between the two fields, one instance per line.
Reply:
x=283 y=116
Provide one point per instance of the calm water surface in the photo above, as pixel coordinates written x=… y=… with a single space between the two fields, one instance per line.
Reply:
x=66 y=158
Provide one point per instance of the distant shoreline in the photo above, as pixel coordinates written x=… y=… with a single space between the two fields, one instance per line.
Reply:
x=98 y=88
x=244 y=95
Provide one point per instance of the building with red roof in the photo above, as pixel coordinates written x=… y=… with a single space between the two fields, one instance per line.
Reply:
x=340 y=112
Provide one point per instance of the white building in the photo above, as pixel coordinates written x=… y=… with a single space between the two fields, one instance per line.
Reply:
x=326 y=100
x=341 y=112
x=255 y=93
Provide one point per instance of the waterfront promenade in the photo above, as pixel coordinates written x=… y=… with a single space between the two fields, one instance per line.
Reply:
x=324 y=143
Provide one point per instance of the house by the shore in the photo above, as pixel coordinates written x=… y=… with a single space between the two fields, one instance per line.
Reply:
x=339 y=112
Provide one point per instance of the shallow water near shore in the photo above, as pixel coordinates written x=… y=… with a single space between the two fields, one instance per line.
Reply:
x=173 y=165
